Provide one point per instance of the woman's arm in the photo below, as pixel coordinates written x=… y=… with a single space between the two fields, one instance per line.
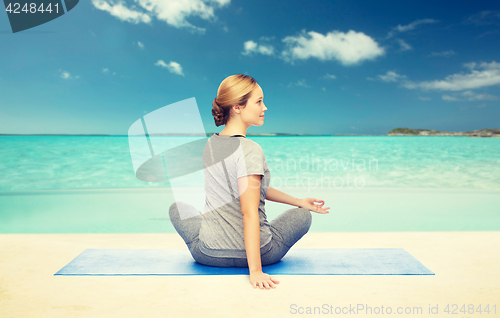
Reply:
x=249 y=189
x=281 y=197
x=306 y=203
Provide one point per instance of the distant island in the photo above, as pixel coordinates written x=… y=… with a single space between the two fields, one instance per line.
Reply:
x=395 y=132
x=427 y=132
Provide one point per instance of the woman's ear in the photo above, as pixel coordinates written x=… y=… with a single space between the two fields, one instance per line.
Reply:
x=236 y=108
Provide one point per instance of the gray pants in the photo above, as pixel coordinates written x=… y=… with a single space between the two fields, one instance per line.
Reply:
x=286 y=230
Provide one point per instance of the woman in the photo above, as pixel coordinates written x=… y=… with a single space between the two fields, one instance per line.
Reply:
x=233 y=230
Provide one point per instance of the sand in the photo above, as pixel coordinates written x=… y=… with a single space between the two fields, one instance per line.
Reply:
x=466 y=265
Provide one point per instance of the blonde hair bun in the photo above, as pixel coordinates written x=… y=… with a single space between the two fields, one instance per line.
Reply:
x=233 y=90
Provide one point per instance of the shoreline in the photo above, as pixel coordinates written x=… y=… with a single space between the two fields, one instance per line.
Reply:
x=145 y=210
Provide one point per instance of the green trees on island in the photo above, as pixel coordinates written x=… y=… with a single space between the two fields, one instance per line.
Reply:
x=427 y=132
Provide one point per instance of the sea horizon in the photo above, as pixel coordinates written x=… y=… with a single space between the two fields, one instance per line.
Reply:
x=394 y=132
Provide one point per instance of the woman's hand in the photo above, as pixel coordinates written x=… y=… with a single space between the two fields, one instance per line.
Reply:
x=309 y=203
x=262 y=280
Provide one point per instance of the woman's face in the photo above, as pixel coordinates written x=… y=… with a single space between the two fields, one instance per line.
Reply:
x=253 y=113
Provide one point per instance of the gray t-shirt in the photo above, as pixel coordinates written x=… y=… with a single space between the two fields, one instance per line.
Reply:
x=225 y=159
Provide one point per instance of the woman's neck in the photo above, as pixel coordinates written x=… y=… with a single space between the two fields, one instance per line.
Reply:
x=229 y=132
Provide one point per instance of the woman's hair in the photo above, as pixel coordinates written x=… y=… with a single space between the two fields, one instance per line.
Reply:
x=234 y=90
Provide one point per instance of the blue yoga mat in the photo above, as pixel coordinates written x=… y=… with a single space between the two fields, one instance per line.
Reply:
x=310 y=261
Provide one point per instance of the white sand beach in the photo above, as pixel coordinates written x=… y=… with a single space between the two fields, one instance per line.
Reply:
x=465 y=265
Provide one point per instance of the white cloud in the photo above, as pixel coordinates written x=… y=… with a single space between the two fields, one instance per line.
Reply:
x=425 y=99
x=329 y=76
x=391 y=76
x=348 y=48
x=404 y=46
x=468 y=96
x=66 y=75
x=299 y=83
x=411 y=26
x=252 y=47
x=141 y=45
x=173 y=67
x=487 y=75
x=445 y=53
x=120 y=11
x=106 y=71
x=449 y=98
x=484 y=18
x=470 y=65
x=481 y=75
x=173 y=12
x=266 y=38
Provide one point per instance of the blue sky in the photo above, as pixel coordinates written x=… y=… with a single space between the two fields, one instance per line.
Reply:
x=326 y=67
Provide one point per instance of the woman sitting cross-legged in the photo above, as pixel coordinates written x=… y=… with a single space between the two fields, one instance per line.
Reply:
x=233 y=231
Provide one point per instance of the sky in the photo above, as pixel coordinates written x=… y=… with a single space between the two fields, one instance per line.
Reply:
x=325 y=67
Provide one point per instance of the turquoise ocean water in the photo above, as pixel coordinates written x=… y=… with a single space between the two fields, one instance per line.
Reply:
x=45 y=179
